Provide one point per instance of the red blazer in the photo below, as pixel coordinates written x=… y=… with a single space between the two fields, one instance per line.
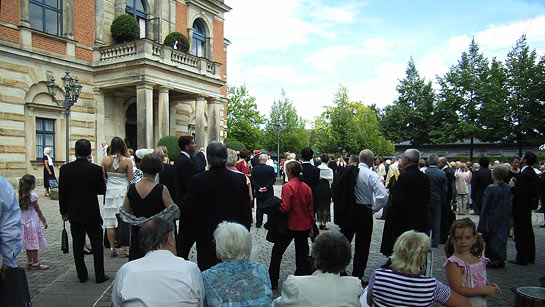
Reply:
x=297 y=201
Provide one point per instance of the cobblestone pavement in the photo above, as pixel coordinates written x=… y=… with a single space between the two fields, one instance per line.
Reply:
x=59 y=285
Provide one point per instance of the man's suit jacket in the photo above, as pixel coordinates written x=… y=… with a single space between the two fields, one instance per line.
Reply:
x=345 y=199
x=183 y=171
x=450 y=184
x=166 y=177
x=254 y=161
x=199 y=162
x=525 y=191
x=79 y=184
x=263 y=177
x=311 y=176
x=481 y=179
x=409 y=208
x=215 y=196
x=438 y=186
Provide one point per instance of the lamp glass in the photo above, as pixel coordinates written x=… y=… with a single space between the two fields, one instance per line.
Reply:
x=66 y=80
x=77 y=88
x=52 y=88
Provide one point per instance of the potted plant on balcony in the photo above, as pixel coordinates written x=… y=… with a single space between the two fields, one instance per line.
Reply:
x=125 y=28
x=177 y=41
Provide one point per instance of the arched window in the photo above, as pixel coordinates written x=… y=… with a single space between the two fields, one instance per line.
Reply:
x=198 y=46
x=137 y=8
x=46 y=16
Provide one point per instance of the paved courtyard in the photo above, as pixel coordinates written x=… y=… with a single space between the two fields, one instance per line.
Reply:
x=60 y=286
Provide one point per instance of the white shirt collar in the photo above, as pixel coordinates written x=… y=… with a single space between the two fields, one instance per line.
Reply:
x=186 y=154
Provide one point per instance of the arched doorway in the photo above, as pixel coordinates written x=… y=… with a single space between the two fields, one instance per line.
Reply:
x=130 y=126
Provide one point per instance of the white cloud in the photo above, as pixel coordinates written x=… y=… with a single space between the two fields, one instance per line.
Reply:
x=328 y=59
x=500 y=37
x=378 y=46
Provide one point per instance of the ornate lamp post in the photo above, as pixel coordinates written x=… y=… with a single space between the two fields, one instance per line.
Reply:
x=278 y=128
x=72 y=89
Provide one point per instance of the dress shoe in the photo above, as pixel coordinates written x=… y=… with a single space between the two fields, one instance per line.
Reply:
x=87 y=252
x=83 y=280
x=364 y=283
x=516 y=262
x=495 y=265
x=106 y=278
x=542 y=226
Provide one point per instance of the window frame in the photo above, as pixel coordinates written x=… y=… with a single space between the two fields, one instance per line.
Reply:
x=57 y=10
x=199 y=38
x=131 y=10
x=41 y=132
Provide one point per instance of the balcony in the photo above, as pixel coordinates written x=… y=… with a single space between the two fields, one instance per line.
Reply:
x=145 y=49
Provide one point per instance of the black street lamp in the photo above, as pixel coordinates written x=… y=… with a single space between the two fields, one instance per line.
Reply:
x=72 y=88
x=277 y=127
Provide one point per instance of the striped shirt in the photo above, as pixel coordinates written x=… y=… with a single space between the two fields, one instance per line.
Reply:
x=390 y=288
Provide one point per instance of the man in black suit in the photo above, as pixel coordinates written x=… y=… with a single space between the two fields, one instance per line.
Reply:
x=311 y=174
x=199 y=162
x=481 y=179
x=411 y=198
x=216 y=195
x=525 y=193
x=79 y=184
x=183 y=171
x=262 y=180
x=446 y=213
x=255 y=159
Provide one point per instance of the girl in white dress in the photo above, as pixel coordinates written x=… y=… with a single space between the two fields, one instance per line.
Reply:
x=118 y=172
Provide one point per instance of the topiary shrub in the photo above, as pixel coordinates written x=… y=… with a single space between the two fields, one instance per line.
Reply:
x=125 y=28
x=172 y=37
x=171 y=142
x=235 y=145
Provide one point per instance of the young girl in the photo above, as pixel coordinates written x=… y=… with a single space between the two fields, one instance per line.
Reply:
x=31 y=215
x=466 y=267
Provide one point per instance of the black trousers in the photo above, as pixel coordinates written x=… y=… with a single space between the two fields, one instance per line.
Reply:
x=362 y=229
x=302 y=264
x=524 y=235
x=94 y=231
x=258 y=211
x=187 y=236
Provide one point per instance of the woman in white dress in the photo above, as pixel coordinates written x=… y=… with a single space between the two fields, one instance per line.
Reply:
x=118 y=172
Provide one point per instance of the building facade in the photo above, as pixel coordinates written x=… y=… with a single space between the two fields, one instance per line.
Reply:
x=139 y=90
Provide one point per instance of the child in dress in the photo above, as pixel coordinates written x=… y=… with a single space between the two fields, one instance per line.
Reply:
x=31 y=222
x=466 y=266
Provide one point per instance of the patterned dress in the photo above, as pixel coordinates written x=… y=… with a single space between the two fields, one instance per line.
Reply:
x=237 y=283
x=474 y=276
x=32 y=233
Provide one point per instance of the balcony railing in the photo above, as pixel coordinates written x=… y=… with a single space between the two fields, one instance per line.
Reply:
x=147 y=49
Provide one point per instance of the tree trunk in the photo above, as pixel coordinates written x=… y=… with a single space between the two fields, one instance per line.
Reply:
x=471 y=151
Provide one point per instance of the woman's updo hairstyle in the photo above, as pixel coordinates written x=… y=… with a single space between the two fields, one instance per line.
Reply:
x=294 y=168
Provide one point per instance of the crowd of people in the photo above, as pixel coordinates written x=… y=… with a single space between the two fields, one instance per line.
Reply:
x=210 y=194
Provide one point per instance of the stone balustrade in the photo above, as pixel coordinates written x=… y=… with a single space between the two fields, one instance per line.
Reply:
x=147 y=49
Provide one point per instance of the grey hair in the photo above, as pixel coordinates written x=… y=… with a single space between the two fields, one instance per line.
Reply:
x=263 y=157
x=412 y=154
x=292 y=156
x=366 y=155
x=332 y=252
x=475 y=166
x=432 y=159
x=154 y=233
x=233 y=242
x=159 y=151
x=353 y=159
x=47 y=150
x=216 y=154
x=231 y=157
x=444 y=160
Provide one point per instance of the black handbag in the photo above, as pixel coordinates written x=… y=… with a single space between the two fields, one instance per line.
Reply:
x=64 y=239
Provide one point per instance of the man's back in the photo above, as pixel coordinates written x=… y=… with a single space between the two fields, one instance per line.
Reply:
x=79 y=184
x=438 y=184
x=159 y=279
x=480 y=180
x=183 y=171
x=410 y=202
x=263 y=176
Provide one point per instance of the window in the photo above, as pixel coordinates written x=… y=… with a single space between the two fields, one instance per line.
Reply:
x=198 y=46
x=46 y=16
x=45 y=137
x=137 y=8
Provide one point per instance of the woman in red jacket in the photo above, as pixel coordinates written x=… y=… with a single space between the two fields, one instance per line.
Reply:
x=297 y=202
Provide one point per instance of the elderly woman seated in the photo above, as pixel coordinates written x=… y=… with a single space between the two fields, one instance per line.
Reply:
x=236 y=281
x=325 y=287
x=405 y=284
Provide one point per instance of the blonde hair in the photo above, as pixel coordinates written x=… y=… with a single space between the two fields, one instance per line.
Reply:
x=410 y=252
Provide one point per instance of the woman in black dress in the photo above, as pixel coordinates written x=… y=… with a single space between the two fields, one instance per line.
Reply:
x=49 y=170
x=145 y=199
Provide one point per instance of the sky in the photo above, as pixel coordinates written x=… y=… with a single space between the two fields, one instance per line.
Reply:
x=309 y=48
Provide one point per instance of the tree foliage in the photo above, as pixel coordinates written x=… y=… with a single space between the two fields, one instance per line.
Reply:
x=294 y=136
x=349 y=127
x=410 y=117
x=243 y=119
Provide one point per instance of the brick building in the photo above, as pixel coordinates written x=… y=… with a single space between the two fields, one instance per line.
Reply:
x=139 y=91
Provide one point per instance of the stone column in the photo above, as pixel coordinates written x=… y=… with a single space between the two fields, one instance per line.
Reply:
x=200 y=137
x=144 y=114
x=172 y=21
x=99 y=22
x=163 y=110
x=119 y=7
x=99 y=125
x=25 y=36
x=23 y=13
x=213 y=119
x=68 y=16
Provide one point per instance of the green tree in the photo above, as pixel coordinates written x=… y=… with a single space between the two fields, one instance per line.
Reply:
x=294 y=136
x=349 y=127
x=463 y=92
x=410 y=118
x=493 y=113
x=525 y=81
x=243 y=119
